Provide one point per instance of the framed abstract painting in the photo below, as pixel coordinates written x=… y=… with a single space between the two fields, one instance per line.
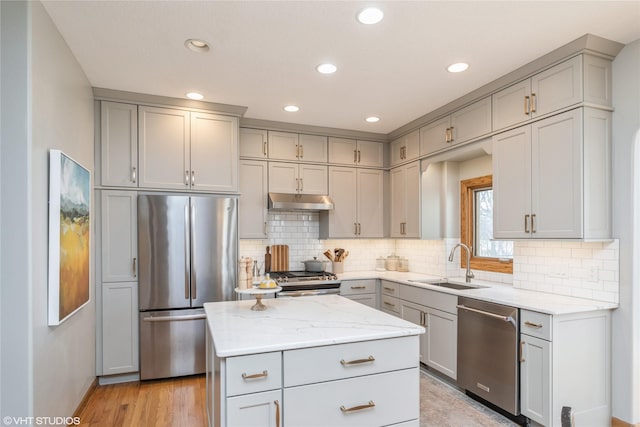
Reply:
x=69 y=231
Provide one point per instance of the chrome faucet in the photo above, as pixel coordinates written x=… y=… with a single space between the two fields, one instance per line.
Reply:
x=469 y=274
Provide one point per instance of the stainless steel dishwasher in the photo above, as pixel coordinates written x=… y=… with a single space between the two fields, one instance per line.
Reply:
x=488 y=352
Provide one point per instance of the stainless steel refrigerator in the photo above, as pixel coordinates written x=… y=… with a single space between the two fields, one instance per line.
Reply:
x=188 y=251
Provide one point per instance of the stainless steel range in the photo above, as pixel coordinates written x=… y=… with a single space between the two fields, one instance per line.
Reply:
x=305 y=283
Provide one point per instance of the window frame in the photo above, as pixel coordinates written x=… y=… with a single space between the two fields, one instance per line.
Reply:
x=467 y=223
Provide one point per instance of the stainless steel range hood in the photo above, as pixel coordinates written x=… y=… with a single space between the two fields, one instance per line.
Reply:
x=299 y=202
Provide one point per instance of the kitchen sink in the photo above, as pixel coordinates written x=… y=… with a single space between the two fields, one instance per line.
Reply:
x=448 y=285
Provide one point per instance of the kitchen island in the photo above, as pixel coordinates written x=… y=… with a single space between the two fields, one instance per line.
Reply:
x=310 y=361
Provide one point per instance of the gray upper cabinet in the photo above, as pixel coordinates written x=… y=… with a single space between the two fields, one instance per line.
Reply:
x=164 y=148
x=253 y=143
x=405 y=148
x=118 y=144
x=344 y=151
x=252 y=205
x=283 y=145
x=185 y=150
x=466 y=124
x=583 y=78
x=293 y=146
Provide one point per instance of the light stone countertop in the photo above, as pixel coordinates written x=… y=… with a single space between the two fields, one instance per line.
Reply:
x=292 y=323
x=499 y=293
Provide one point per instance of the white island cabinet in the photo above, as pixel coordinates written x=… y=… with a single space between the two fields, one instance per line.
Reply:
x=310 y=361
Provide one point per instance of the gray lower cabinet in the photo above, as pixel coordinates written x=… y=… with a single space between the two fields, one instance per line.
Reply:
x=363 y=291
x=436 y=312
x=119 y=328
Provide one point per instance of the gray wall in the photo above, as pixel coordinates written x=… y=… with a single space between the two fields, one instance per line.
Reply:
x=626 y=319
x=48 y=369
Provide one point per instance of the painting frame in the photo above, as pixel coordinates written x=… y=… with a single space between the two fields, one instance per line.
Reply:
x=69 y=237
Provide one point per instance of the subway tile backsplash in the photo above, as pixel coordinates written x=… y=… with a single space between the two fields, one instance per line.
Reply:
x=586 y=270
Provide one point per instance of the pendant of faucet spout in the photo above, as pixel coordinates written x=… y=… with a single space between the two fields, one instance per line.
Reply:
x=469 y=274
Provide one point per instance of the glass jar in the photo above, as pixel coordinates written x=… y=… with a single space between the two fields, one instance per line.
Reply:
x=380 y=264
x=403 y=264
x=391 y=263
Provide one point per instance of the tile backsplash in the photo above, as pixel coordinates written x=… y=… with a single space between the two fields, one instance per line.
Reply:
x=581 y=269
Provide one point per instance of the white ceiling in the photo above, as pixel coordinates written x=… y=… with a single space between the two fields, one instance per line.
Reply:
x=263 y=54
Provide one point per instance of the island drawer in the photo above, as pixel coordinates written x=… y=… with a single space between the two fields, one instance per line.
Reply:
x=253 y=373
x=391 y=304
x=355 y=287
x=381 y=399
x=439 y=300
x=326 y=363
x=535 y=324
x=389 y=288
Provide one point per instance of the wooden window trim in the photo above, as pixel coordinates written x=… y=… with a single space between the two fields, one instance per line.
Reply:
x=467 y=188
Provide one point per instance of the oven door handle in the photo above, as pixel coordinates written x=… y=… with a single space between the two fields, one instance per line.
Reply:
x=507 y=319
x=308 y=293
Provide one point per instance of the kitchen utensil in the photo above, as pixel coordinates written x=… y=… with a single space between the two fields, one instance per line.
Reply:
x=314 y=264
x=340 y=252
x=328 y=254
x=279 y=258
x=267 y=261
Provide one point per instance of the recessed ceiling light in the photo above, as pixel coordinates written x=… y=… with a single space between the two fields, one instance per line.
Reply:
x=457 y=67
x=372 y=119
x=195 y=95
x=197 y=45
x=370 y=15
x=326 y=68
x=291 y=108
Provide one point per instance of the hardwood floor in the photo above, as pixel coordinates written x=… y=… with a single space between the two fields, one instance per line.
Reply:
x=173 y=402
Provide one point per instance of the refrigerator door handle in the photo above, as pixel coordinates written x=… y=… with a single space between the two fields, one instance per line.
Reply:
x=175 y=318
x=193 y=252
x=187 y=244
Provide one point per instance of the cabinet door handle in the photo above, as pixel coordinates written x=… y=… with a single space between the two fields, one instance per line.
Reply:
x=527 y=105
x=355 y=156
x=301 y=185
x=275 y=402
x=533 y=102
x=186 y=178
x=359 y=229
x=533 y=325
x=263 y=374
x=446 y=135
x=134 y=267
x=355 y=228
x=359 y=156
x=297 y=185
x=264 y=148
x=301 y=151
x=265 y=228
x=357 y=361
x=193 y=178
x=133 y=174
x=451 y=134
x=358 y=408
x=522 y=351
x=526 y=223
x=423 y=319
x=533 y=224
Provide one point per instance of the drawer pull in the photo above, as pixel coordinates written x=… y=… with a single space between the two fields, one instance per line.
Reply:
x=358 y=287
x=254 y=376
x=275 y=402
x=533 y=325
x=388 y=304
x=358 y=408
x=357 y=361
x=389 y=289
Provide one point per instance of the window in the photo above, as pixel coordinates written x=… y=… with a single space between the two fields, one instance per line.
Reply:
x=476 y=228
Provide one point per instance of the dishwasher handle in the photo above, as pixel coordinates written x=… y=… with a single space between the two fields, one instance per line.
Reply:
x=507 y=319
